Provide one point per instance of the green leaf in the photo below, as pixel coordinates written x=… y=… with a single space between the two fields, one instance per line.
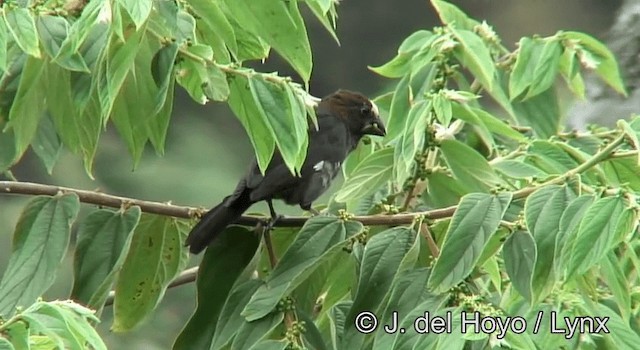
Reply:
x=550 y=157
x=287 y=123
x=485 y=121
x=408 y=53
x=517 y=169
x=221 y=266
x=443 y=190
x=618 y=284
x=380 y=263
x=230 y=319
x=368 y=176
x=39 y=244
x=409 y=290
x=543 y=211
x=251 y=333
x=155 y=257
x=23 y=29
x=522 y=75
x=47 y=144
x=596 y=234
x=452 y=15
x=214 y=20
x=28 y=105
x=474 y=55
x=162 y=69
x=270 y=344
x=468 y=166
x=536 y=67
x=474 y=222
x=7 y=148
x=119 y=61
x=216 y=87
x=139 y=10
x=569 y=225
x=3 y=45
x=104 y=238
x=410 y=340
x=412 y=139
x=53 y=30
x=320 y=237
x=400 y=106
x=607 y=67
x=281 y=26
x=541 y=112
x=244 y=107
x=546 y=68
x=621 y=335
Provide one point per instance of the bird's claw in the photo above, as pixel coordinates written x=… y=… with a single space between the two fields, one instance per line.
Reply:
x=270 y=223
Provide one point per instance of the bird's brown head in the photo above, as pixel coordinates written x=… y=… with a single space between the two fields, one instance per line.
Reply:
x=357 y=111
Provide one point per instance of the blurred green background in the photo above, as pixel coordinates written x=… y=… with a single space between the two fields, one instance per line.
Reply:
x=207 y=149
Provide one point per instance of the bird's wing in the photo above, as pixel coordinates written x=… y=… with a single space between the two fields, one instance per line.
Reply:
x=328 y=146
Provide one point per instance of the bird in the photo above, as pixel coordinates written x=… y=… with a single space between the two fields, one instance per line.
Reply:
x=343 y=118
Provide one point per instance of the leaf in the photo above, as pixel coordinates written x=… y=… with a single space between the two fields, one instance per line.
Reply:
x=607 y=67
x=475 y=56
x=244 y=107
x=3 y=46
x=28 y=105
x=452 y=15
x=485 y=121
x=104 y=238
x=23 y=29
x=368 y=176
x=569 y=224
x=546 y=68
x=162 y=69
x=288 y=125
x=474 y=222
x=409 y=340
x=522 y=75
x=155 y=257
x=400 y=106
x=595 y=237
x=213 y=18
x=319 y=238
x=46 y=143
x=39 y=245
x=410 y=49
x=139 y=10
x=519 y=253
x=541 y=112
x=618 y=284
x=517 y=169
x=281 y=26
x=221 y=266
x=468 y=166
x=230 y=320
x=216 y=87
x=380 y=263
x=412 y=139
x=251 y=333
x=543 y=211
x=620 y=334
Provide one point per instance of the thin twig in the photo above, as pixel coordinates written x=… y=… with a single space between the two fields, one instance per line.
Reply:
x=433 y=246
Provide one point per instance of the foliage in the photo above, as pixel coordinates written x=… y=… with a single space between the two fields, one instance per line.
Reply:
x=461 y=208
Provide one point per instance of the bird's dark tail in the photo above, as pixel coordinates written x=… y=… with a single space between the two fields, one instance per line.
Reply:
x=214 y=222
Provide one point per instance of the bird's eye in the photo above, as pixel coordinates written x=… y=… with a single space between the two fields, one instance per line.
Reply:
x=365 y=110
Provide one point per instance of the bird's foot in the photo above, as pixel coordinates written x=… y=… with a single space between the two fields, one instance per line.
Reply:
x=270 y=223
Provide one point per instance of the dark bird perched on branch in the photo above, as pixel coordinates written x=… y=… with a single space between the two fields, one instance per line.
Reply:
x=343 y=118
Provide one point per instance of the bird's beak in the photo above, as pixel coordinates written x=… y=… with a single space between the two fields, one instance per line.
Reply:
x=376 y=127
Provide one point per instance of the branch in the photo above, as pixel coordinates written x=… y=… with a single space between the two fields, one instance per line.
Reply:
x=168 y=209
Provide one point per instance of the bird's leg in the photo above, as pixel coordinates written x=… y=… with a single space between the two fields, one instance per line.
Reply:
x=274 y=216
x=266 y=233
